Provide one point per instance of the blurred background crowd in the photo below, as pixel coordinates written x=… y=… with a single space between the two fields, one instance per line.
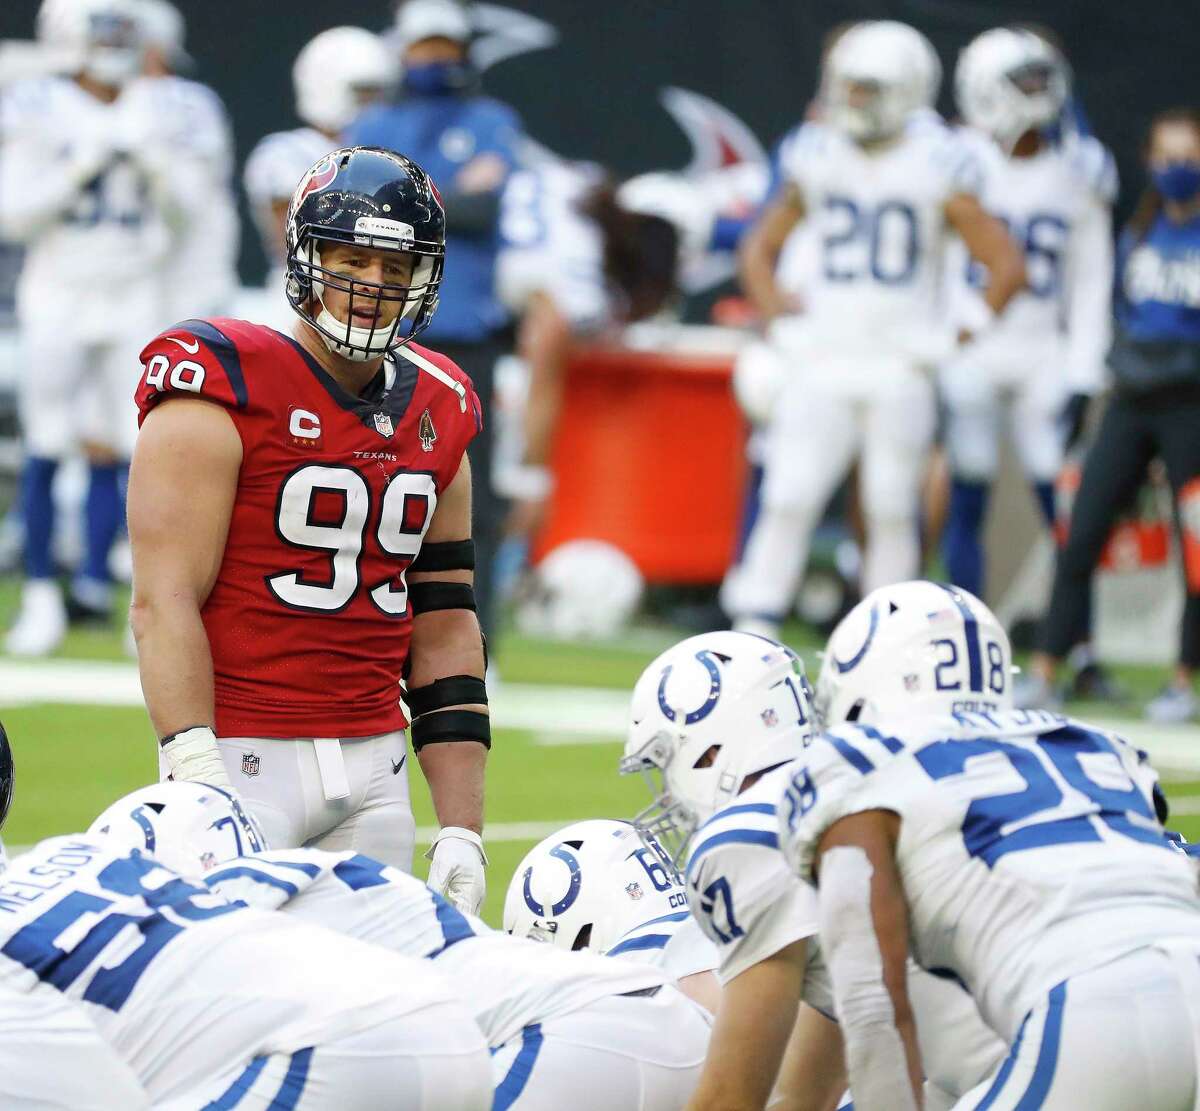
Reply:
x=643 y=237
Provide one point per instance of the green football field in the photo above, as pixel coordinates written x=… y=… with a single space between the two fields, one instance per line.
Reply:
x=81 y=739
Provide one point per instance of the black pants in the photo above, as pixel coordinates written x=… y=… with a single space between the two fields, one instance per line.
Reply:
x=478 y=360
x=1135 y=429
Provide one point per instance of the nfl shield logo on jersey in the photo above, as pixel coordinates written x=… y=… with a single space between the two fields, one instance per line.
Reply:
x=383 y=424
x=250 y=764
x=426 y=432
x=634 y=890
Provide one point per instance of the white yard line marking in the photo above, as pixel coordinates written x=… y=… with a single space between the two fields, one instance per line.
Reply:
x=559 y=715
x=555 y=715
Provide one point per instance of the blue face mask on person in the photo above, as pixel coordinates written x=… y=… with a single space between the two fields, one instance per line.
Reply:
x=437 y=78
x=1178 y=181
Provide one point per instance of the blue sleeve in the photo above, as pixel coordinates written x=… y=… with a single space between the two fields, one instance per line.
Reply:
x=498 y=130
x=728 y=231
x=368 y=130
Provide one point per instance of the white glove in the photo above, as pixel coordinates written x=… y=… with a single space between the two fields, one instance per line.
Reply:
x=193 y=754
x=88 y=158
x=456 y=867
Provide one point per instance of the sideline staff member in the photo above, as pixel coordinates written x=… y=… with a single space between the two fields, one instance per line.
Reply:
x=1155 y=408
x=467 y=143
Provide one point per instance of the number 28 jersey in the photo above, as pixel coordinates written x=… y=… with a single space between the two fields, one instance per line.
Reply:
x=1029 y=850
x=308 y=620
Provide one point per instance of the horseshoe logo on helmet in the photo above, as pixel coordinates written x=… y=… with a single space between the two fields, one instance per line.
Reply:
x=690 y=717
x=561 y=852
x=849 y=665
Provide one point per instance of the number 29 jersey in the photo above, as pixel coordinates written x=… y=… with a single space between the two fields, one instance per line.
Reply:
x=308 y=620
x=1029 y=850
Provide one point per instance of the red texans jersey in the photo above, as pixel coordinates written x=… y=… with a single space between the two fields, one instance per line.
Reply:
x=309 y=621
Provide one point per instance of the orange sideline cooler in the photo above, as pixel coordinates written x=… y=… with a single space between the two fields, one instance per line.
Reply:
x=649 y=456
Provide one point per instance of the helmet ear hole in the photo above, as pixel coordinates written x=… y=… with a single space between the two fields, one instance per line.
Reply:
x=708 y=757
x=157 y=807
x=582 y=939
x=855 y=710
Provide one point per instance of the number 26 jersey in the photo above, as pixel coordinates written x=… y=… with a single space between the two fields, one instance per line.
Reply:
x=308 y=620
x=1029 y=850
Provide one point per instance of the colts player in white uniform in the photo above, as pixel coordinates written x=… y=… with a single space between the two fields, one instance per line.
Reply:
x=201 y=270
x=1045 y=356
x=200 y=997
x=53 y=1059
x=335 y=76
x=723 y=719
x=88 y=189
x=602 y=885
x=886 y=184
x=565 y=1029
x=1018 y=853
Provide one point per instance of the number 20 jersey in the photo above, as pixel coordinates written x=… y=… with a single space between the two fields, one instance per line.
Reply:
x=1028 y=849
x=881 y=230
x=308 y=620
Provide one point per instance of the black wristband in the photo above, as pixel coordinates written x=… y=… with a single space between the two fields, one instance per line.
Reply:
x=428 y=596
x=451 y=725
x=451 y=690
x=447 y=555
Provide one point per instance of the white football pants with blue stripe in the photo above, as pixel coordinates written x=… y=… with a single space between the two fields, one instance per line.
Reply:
x=1120 y=1037
x=622 y=1053
x=282 y=1015
x=434 y=1059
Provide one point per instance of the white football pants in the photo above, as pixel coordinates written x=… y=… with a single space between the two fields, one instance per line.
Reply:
x=815 y=435
x=1125 y=1035
x=976 y=405
x=53 y=1059
x=430 y=1061
x=78 y=383
x=349 y=795
x=622 y=1053
x=958 y=1049
x=257 y=1009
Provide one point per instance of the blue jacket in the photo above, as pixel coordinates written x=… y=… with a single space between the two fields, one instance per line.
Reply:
x=1157 y=338
x=442 y=134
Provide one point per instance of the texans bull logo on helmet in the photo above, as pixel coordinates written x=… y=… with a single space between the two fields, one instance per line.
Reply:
x=317 y=178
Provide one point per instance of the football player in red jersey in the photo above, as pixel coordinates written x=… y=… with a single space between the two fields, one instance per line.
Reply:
x=300 y=514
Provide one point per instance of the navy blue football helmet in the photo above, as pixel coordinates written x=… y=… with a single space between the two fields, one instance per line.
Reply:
x=377 y=199
x=6 y=776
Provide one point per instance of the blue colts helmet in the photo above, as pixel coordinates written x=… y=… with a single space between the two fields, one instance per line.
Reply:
x=190 y=828
x=914 y=649
x=706 y=714
x=589 y=884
